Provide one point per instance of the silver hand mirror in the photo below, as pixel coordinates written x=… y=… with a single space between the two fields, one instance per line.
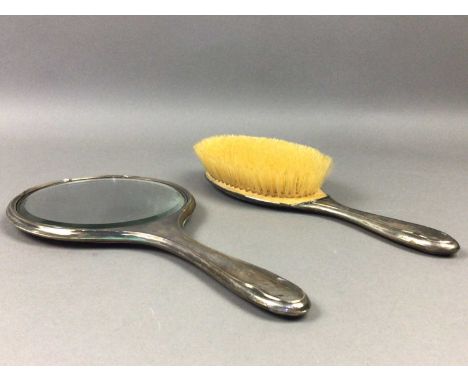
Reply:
x=132 y=209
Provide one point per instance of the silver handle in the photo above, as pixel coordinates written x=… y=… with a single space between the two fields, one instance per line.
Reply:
x=412 y=235
x=252 y=283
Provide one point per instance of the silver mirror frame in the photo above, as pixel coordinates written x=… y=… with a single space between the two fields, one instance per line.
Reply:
x=118 y=232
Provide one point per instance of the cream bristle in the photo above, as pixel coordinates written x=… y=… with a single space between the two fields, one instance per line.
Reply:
x=264 y=166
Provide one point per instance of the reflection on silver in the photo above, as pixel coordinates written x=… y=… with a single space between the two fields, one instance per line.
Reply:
x=412 y=235
x=254 y=284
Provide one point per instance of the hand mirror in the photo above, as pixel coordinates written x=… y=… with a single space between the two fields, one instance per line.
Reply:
x=132 y=209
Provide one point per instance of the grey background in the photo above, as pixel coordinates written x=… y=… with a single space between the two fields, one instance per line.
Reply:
x=386 y=97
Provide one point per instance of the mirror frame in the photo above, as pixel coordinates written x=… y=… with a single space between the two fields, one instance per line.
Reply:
x=129 y=232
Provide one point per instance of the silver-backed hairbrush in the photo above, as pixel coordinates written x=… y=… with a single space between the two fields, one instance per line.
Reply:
x=278 y=173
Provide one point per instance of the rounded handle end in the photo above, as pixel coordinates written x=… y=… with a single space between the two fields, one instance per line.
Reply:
x=288 y=299
x=425 y=239
x=295 y=308
x=446 y=246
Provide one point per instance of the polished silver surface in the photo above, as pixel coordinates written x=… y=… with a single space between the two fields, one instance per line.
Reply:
x=421 y=238
x=163 y=229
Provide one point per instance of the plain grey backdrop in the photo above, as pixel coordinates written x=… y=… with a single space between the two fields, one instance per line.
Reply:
x=386 y=97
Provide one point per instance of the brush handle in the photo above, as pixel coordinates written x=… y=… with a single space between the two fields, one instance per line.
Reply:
x=412 y=235
x=254 y=284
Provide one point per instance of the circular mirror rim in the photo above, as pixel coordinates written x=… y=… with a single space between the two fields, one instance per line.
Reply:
x=92 y=232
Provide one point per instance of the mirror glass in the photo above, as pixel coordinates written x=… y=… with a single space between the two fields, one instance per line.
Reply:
x=106 y=201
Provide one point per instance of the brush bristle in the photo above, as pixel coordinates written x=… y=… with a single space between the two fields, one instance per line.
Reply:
x=264 y=166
